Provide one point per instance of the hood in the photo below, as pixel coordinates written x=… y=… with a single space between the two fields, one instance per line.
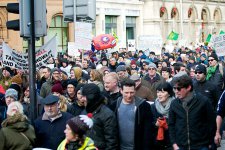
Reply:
x=17 y=122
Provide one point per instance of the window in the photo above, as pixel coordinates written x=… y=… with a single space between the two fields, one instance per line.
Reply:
x=110 y=24
x=38 y=43
x=59 y=28
x=130 y=27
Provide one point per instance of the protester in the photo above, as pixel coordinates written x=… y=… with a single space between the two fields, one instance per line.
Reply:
x=16 y=132
x=135 y=120
x=152 y=79
x=78 y=106
x=160 y=110
x=194 y=128
x=75 y=134
x=47 y=86
x=142 y=91
x=50 y=126
x=111 y=84
x=104 y=131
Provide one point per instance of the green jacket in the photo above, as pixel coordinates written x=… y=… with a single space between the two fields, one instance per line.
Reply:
x=17 y=133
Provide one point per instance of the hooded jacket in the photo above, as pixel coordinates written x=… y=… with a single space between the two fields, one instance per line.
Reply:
x=17 y=133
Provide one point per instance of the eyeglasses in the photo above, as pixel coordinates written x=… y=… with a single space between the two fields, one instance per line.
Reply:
x=199 y=72
x=178 y=88
x=211 y=59
x=151 y=68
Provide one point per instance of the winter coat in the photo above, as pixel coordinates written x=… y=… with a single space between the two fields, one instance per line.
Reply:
x=218 y=78
x=51 y=133
x=46 y=88
x=17 y=134
x=192 y=127
x=164 y=144
x=208 y=89
x=105 y=131
x=221 y=105
x=87 y=145
x=144 y=92
x=75 y=109
x=144 y=130
x=152 y=84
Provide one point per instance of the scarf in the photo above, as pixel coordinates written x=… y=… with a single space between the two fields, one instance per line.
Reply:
x=210 y=72
x=164 y=110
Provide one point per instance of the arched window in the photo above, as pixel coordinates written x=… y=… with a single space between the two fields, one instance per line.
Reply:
x=59 y=28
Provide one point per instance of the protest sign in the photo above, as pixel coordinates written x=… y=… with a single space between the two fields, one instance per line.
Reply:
x=131 y=45
x=150 y=42
x=72 y=50
x=83 y=35
x=219 y=44
x=18 y=60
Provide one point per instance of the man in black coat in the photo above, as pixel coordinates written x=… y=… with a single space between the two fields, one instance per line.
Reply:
x=205 y=87
x=135 y=119
x=49 y=127
x=191 y=117
x=105 y=130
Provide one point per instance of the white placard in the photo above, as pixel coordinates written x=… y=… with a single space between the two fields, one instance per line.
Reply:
x=83 y=35
x=151 y=42
x=72 y=50
x=131 y=45
x=219 y=44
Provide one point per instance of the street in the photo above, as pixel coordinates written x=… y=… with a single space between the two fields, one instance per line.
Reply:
x=222 y=145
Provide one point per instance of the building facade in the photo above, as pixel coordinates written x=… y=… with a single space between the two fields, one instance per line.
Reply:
x=129 y=19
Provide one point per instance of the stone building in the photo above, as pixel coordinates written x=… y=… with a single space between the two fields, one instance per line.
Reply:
x=129 y=19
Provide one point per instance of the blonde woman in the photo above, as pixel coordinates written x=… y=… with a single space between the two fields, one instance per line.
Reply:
x=96 y=77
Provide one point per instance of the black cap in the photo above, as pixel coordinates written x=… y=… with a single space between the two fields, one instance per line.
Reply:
x=50 y=99
x=213 y=55
x=200 y=68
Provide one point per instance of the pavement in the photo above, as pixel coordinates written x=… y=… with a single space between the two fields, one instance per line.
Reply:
x=222 y=145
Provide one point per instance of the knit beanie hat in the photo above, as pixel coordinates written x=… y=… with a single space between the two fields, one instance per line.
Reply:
x=17 y=79
x=93 y=95
x=200 y=68
x=12 y=93
x=133 y=62
x=55 y=69
x=80 y=124
x=72 y=82
x=57 y=88
x=121 y=68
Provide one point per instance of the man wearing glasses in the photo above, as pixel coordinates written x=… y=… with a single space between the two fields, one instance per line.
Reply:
x=152 y=79
x=191 y=118
x=205 y=87
x=215 y=72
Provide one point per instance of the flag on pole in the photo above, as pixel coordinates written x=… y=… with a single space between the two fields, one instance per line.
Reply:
x=208 y=38
x=173 y=36
x=222 y=32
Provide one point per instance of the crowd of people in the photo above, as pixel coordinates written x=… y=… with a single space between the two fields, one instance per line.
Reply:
x=123 y=100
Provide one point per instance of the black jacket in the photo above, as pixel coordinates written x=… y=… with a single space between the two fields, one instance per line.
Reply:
x=192 y=127
x=163 y=143
x=50 y=134
x=104 y=133
x=144 y=134
x=208 y=89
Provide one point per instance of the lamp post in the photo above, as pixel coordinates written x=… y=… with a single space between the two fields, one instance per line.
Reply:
x=181 y=19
